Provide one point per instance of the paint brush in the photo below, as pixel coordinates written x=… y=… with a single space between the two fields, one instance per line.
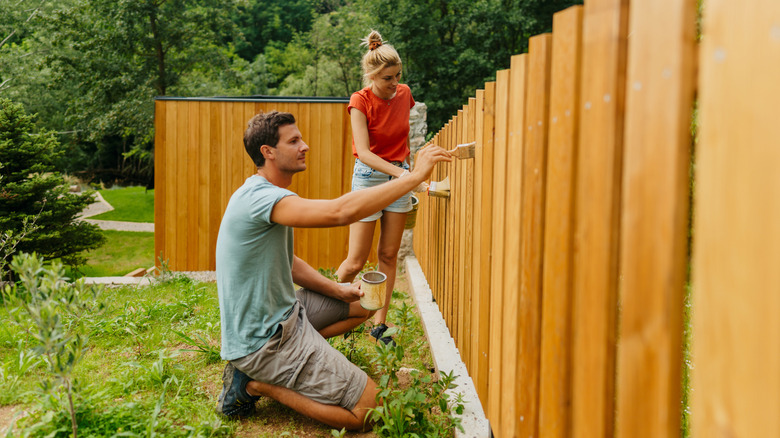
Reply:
x=464 y=150
x=440 y=189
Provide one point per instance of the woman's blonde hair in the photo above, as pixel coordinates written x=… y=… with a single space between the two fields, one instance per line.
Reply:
x=379 y=56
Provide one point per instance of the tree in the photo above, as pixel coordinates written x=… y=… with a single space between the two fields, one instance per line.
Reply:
x=324 y=61
x=337 y=36
x=120 y=55
x=31 y=190
x=263 y=23
x=451 y=47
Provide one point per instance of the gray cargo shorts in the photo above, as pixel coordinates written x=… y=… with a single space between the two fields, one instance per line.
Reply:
x=297 y=357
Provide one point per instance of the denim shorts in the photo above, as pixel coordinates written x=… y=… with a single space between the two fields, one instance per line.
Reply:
x=364 y=177
x=299 y=358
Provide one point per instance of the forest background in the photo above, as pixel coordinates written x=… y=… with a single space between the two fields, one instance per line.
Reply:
x=90 y=69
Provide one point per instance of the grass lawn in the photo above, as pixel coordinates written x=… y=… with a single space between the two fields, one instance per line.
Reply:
x=123 y=252
x=131 y=204
x=140 y=378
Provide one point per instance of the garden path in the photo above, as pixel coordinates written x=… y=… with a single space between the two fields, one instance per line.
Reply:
x=101 y=206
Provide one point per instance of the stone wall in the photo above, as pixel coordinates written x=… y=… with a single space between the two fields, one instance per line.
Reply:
x=418 y=128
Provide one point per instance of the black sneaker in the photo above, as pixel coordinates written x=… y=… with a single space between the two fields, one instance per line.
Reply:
x=234 y=401
x=377 y=333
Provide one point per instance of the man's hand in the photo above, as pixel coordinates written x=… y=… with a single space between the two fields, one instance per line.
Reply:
x=427 y=158
x=349 y=292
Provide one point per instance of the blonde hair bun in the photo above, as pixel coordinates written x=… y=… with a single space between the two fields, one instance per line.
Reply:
x=378 y=56
x=373 y=40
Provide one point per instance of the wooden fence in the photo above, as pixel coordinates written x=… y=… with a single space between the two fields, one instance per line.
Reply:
x=200 y=161
x=561 y=258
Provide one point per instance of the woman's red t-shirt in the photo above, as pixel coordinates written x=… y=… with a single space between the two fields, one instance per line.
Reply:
x=388 y=121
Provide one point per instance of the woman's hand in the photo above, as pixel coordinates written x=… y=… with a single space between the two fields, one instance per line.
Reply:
x=427 y=159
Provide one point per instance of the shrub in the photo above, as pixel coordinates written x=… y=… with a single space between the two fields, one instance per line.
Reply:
x=32 y=191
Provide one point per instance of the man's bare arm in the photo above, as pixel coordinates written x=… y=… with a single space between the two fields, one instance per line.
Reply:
x=306 y=276
x=295 y=211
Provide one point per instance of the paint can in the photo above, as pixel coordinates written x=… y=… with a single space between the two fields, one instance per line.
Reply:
x=373 y=285
x=411 y=216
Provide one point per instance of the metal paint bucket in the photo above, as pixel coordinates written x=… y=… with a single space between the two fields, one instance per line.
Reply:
x=373 y=285
x=411 y=216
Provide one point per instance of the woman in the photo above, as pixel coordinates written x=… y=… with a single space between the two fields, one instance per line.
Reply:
x=380 y=129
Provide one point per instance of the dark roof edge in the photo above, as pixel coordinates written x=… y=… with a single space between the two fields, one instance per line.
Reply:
x=262 y=98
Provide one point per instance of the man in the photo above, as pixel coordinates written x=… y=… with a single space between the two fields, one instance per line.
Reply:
x=272 y=335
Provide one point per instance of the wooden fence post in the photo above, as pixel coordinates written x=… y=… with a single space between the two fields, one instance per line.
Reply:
x=556 y=345
x=598 y=216
x=532 y=233
x=511 y=324
x=483 y=214
x=736 y=238
x=659 y=104
x=497 y=248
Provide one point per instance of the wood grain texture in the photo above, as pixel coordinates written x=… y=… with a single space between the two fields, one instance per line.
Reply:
x=598 y=216
x=736 y=236
x=556 y=345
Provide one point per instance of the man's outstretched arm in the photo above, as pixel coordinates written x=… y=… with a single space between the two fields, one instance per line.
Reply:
x=294 y=211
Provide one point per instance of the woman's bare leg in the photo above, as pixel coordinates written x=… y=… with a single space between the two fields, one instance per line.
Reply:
x=391 y=232
x=361 y=236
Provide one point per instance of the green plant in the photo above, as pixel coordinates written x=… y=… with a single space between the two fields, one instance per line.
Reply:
x=10 y=238
x=52 y=312
x=165 y=275
x=424 y=409
x=31 y=187
x=12 y=371
x=210 y=353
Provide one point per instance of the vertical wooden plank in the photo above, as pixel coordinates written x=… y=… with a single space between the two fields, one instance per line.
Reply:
x=458 y=204
x=532 y=226
x=511 y=324
x=215 y=189
x=598 y=216
x=653 y=256
x=449 y=265
x=202 y=187
x=555 y=373
x=183 y=160
x=161 y=147
x=227 y=169
x=167 y=252
x=479 y=121
x=483 y=216
x=736 y=280
x=468 y=233
x=497 y=247
x=191 y=186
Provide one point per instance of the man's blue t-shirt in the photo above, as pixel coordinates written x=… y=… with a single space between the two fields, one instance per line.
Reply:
x=254 y=268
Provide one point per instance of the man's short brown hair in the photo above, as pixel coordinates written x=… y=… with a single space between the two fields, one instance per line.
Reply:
x=262 y=129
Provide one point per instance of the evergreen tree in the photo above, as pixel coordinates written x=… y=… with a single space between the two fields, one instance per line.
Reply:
x=33 y=191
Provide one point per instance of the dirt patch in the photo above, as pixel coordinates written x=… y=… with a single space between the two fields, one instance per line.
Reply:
x=8 y=416
x=272 y=419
